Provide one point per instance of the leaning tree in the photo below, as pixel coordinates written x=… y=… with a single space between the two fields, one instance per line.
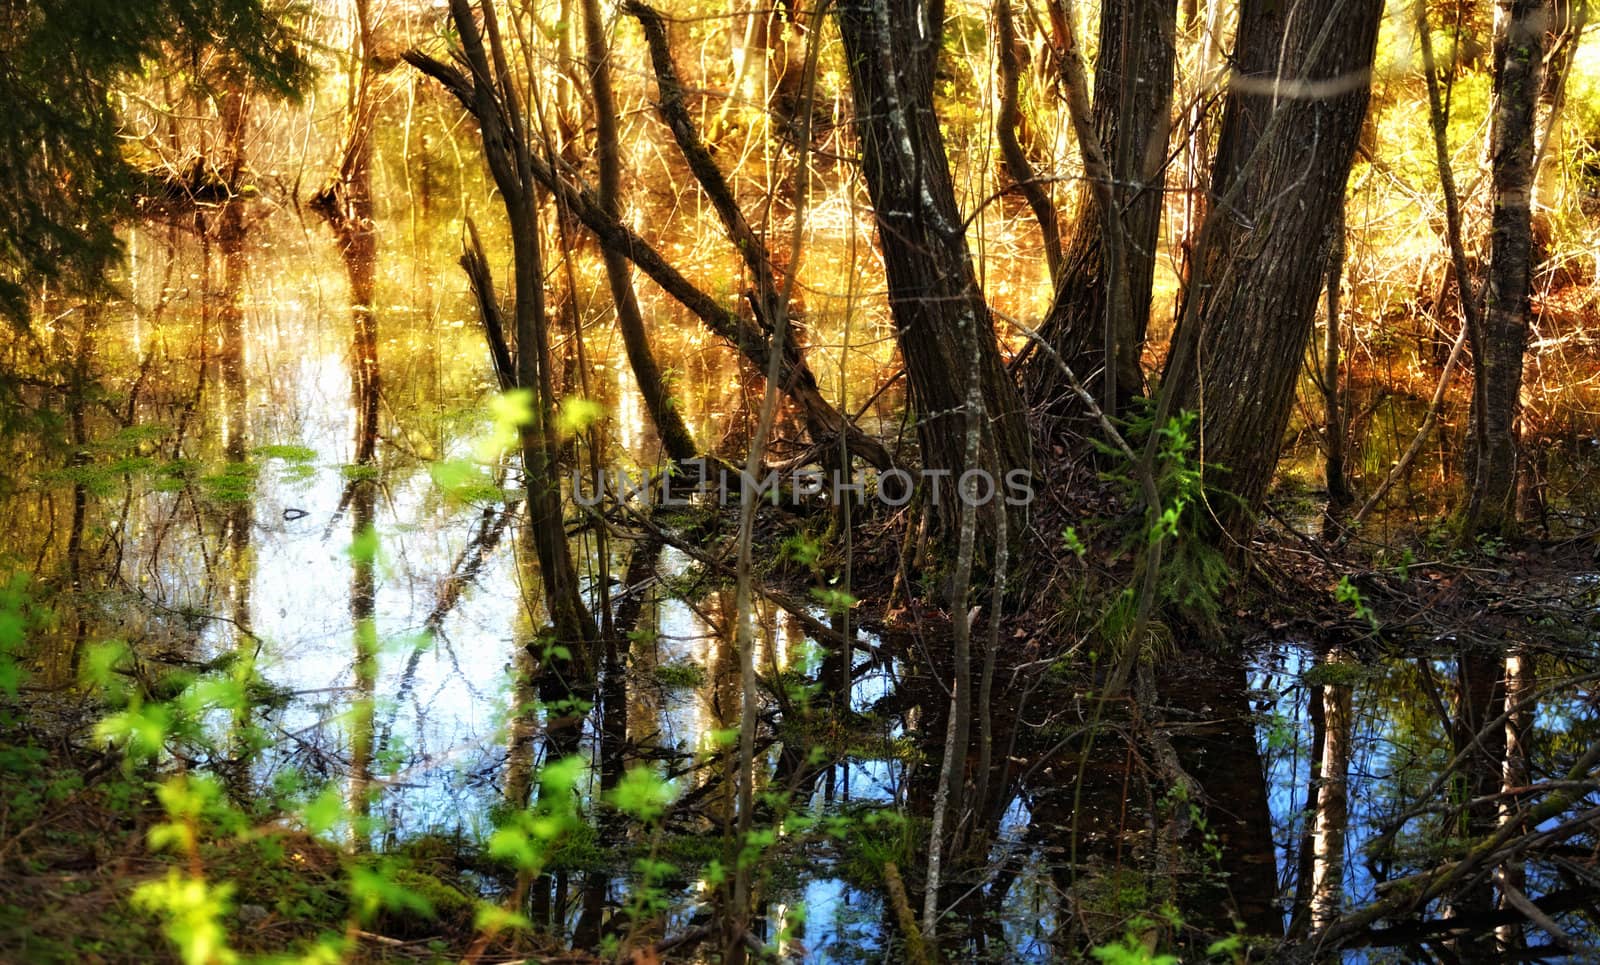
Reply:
x=1295 y=108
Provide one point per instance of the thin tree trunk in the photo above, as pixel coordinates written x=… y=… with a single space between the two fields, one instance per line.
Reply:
x=1518 y=57
x=363 y=615
x=823 y=421
x=240 y=518
x=663 y=409
x=948 y=793
x=941 y=319
x=1333 y=805
x=1198 y=127
x=736 y=924
x=1471 y=325
x=1565 y=28
x=752 y=247
x=1305 y=862
x=489 y=93
x=1520 y=683
x=1009 y=55
x=1333 y=420
x=363 y=495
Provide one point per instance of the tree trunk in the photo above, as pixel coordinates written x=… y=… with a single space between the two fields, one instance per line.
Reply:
x=1518 y=60
x=1132 y=108
x=675 y=437
x=1289 y=131
x=1333 y=421
x=941 y=320
x=1333 y=805
x=488 y=92
x=1480 y=698
x=1564 y=28
x=1305 y=860
x=1520 y=684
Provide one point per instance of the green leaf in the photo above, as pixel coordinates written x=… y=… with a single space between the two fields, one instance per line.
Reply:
x=464 y=481
x=192 y=911
x=493 y=918
x=142 y=730
x=372 y=889
x=325 y=812
x=288 y=453
x=364 y=548
x=578 y=414
x=643 y=794
x=510 y=411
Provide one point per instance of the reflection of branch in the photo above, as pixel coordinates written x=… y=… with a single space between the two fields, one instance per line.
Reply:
x=468 y=564
x=1516 y=899
x=1497 y=849
x=1411 y=933
x=813 y=627
x=1435 y=791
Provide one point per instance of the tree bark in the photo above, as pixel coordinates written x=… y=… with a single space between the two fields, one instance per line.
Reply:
x=941 y=319
x=1518 y=60
x=488 y=92
x=1289 y=131
x=1333 y=805
x=675 y=436
x=1132 y=109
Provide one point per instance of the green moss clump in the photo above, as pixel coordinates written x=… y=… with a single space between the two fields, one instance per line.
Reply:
x=684 y=675
x=453 y=911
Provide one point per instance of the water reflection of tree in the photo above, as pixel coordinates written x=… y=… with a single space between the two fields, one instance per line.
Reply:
x=347 y=203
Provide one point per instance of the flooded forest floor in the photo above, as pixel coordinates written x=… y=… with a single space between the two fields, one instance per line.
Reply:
x=1185 y=807
x=273 y=682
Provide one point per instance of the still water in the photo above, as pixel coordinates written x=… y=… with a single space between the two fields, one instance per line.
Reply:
x=250 y=464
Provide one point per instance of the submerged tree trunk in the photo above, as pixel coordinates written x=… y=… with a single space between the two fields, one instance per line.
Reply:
x=940 y=316
x=1132 y=108
x=1289 y=131
x=1223 y=758
x=362 y=497
x=1518 y=59
x=1305 y=859
x=1521 y=682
